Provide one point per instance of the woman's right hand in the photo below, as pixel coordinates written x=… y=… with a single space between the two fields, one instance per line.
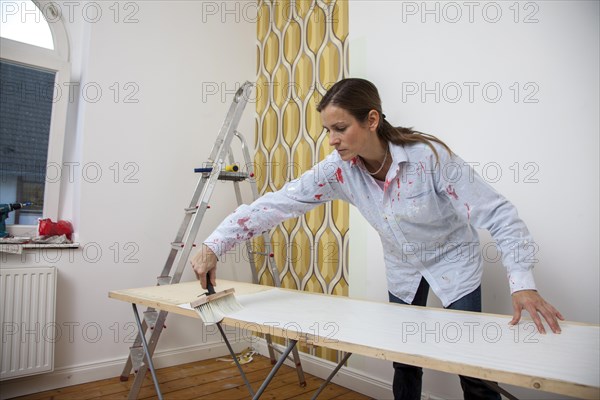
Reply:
x=205 y=261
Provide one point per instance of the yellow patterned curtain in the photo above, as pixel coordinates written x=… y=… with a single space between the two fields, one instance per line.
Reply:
x=302 y=49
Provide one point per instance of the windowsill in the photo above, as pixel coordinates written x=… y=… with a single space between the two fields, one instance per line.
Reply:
x=27 y=233
x=14 y=248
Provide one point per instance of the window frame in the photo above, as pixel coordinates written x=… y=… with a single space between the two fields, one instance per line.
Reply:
x=55 y=60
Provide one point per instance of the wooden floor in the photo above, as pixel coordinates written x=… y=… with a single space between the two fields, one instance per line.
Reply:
x=217 y=379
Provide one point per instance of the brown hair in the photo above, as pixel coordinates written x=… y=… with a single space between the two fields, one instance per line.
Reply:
x=359 y=97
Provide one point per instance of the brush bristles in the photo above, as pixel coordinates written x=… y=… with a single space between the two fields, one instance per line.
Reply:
x=213 y=311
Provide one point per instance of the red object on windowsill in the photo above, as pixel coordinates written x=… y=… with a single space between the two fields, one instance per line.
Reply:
x=48 y=228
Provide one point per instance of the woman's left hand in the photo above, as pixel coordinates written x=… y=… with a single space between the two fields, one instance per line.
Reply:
x=531 y=301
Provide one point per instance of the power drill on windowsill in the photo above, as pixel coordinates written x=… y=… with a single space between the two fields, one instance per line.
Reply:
x=5 y=209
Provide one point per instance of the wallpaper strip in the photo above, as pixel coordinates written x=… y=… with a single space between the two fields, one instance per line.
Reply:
x=302 y=50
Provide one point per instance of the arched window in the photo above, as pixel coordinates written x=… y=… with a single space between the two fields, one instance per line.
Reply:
x=34 y=70
x=29 y=27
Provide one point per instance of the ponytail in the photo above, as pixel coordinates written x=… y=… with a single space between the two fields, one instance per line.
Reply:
x=403 y=136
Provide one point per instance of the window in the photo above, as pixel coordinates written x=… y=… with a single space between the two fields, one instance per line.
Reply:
x=24 y=22
x=25 y=109
x=34 y=65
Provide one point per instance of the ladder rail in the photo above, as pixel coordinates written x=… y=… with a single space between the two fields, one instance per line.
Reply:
x=270 y=259
x=266 y=237
x=240 y=98
x=240 y=201
x=179 y=256
x=231 y=122
x=222 y=142
x=182 y=247
x=140 y=374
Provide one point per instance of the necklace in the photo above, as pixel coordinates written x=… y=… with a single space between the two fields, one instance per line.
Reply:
x=381 y=167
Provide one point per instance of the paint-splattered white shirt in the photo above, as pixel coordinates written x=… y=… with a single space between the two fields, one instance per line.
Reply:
x=426 y=216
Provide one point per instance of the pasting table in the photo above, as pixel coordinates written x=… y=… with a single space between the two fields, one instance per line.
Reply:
x=473 y=344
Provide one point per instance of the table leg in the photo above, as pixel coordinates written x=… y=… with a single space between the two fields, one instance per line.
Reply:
x=148 y=356
x=330 y=377
x=280 y=361
x=237 y=363
x=497 y=388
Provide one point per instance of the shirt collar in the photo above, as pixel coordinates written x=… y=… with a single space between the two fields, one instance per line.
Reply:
x=398 y=157
x=396 y=151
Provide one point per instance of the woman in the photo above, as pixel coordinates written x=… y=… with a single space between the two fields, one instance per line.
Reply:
x=424 y=201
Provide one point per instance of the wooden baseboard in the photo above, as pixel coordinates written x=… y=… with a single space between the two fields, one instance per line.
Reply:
x=74 y=375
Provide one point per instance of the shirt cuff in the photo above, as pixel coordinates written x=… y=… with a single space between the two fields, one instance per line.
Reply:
x=216 y=245
x=521 y=280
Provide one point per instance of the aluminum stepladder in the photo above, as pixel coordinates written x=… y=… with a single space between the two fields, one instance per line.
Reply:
x=182 y=246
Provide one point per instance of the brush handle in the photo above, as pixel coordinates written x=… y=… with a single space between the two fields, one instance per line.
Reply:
x=209 y=286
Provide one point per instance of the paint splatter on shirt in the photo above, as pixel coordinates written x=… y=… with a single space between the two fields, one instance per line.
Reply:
x=339 y=176
x=451 y=192
x=424 y=230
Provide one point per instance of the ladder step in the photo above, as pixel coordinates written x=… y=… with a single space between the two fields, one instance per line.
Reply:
x=151 y=317
x=193 y=210
x=262 y=253
x=137 y=357
x=164 y=280
x=230 y=176
x=179 y=245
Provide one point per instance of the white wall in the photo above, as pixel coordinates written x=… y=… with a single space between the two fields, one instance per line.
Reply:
x=145 y=147
x=176 y=47
x=399 y=46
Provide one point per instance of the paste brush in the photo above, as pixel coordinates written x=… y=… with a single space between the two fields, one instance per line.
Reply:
x=212 y=306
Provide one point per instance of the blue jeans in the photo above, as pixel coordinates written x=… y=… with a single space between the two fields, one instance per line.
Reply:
x=408 y=378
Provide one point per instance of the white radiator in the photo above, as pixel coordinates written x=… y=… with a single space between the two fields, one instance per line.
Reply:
x=27 y=308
